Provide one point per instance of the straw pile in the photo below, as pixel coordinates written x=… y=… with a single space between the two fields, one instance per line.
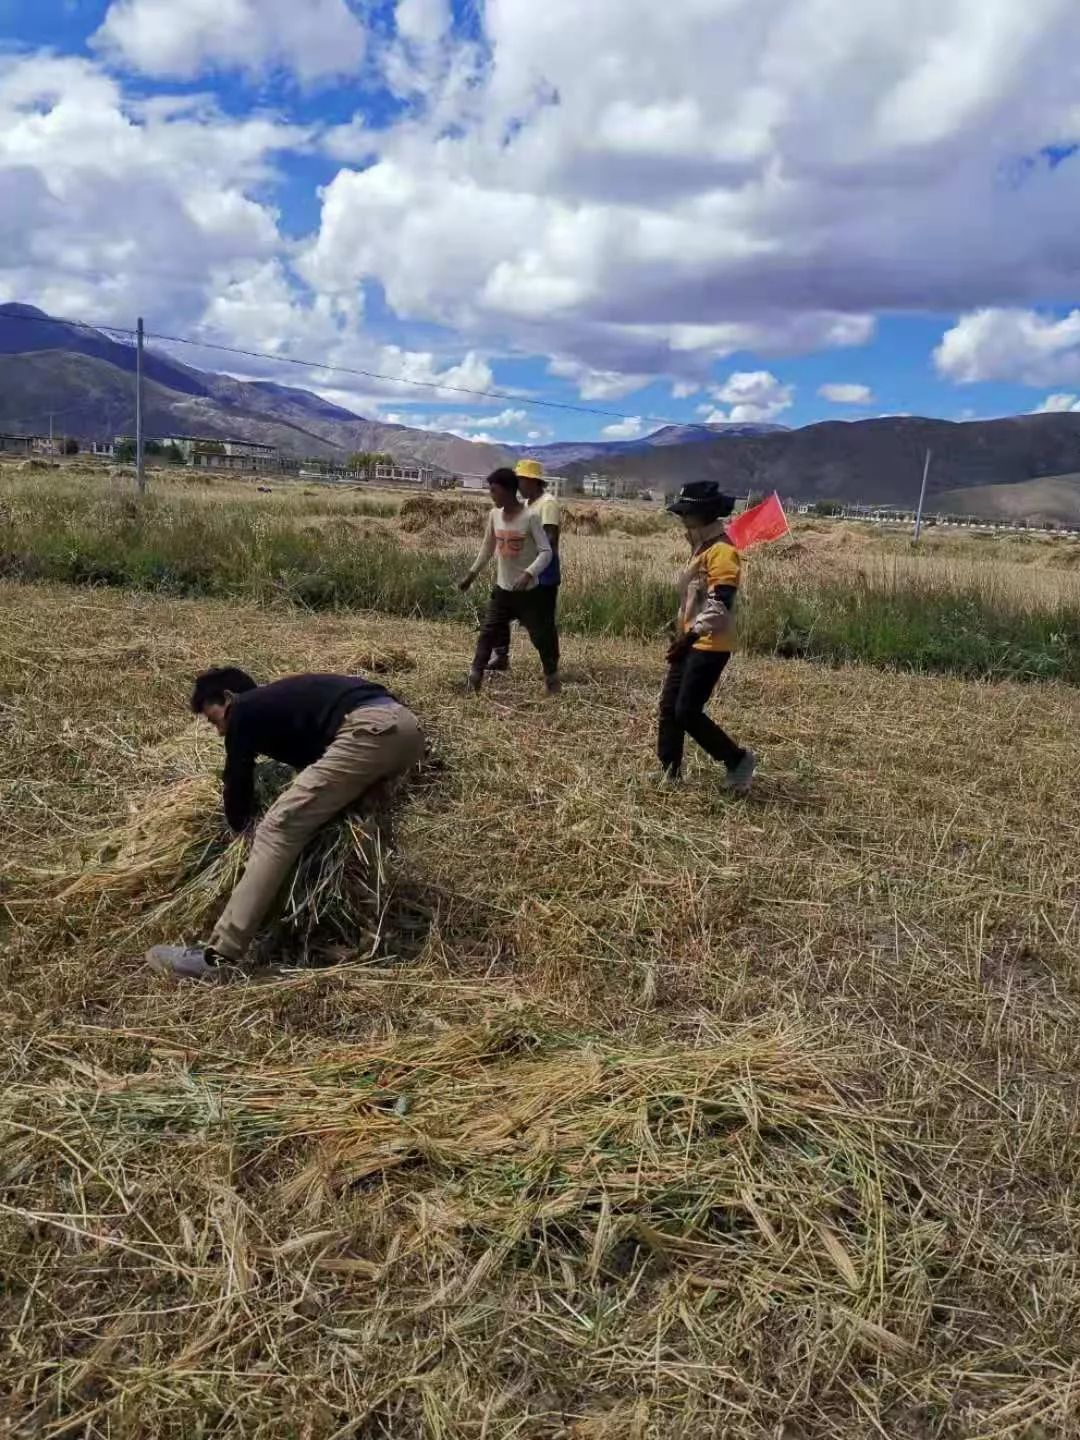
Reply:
x=450 y=517
x=412 y=1220
x=583 y=522
x=168 y=870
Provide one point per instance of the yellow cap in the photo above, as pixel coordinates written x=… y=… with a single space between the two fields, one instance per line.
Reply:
x=529 y=470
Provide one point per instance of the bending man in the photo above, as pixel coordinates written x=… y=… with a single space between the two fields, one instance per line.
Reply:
x=522 y=550
x=343 y=734
x=701 y=649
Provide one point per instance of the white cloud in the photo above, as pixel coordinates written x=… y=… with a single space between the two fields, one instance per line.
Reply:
x=1013 y=345
x=478 y=437
x=683 y=389
x=755 y=396
x=422 y=21
x=727 y=172
x=110 y=208
x=597 y=384
x=316 y=39
x=637 y=190
x=840 y=393
x=503 y=420
x=628 y=429
x=355 y=143
x=420 y=366
x=260 y=311
x=1058 y=404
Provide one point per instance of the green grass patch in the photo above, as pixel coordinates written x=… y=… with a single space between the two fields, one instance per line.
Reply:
x=916 y=623
x=237 y=549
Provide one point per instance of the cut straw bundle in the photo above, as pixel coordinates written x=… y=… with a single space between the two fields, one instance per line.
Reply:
x=171 y=866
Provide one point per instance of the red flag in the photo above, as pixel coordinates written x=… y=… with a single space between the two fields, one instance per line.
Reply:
x=766 y=521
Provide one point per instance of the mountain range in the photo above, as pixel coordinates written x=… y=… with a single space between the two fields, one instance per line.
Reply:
x=878 y=461
x=86 y=381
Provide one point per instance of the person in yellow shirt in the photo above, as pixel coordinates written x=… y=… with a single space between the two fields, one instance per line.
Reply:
x=540 y=502
x=704 y=635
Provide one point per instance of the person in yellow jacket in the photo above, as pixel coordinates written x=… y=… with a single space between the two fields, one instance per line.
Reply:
x=704 y=635
x=541 y=502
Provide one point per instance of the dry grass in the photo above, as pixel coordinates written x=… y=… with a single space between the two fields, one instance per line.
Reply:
x=681 y=1118
x=1026 y=571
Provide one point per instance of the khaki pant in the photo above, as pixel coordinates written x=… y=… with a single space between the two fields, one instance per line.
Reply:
x=374 y=743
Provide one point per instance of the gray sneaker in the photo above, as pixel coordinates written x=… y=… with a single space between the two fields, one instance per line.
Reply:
x=183 y=962
x=739 y=779
x=475 y=683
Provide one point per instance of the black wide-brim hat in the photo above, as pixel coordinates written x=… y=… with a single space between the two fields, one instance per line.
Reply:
x=702 y=497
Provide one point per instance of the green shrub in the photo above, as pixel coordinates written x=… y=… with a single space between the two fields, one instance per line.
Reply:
x=242 y=550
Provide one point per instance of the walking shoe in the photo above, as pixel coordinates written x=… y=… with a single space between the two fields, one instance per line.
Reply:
x=552 y=684
x=499 y=663
x=184 y=962
x=475 y=683
x=738 y=779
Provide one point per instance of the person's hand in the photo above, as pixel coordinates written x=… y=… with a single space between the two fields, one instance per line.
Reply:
x=466 y=583
x=678 y=648
x=523 y=582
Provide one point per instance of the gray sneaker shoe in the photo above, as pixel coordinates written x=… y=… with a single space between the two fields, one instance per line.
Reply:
x=499 y=663
x=475 y=683
x=184 y=962
x=738 y=780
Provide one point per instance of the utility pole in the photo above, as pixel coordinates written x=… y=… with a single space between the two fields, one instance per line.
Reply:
x=922 y=500
x=52 y=447
x=140 y=459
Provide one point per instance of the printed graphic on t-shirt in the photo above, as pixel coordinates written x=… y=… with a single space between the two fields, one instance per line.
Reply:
x=509 y=542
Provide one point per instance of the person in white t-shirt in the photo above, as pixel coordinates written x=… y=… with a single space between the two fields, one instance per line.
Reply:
x=539 y=499
x=516 y=538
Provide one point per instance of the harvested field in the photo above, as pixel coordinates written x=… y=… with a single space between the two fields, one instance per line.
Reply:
x=676 y=1116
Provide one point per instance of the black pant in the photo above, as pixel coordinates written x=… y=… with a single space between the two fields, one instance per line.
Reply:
x=688 y=687
x=531 y=608
x=547 y=597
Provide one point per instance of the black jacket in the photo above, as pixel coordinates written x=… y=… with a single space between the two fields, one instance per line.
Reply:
x=292 y=720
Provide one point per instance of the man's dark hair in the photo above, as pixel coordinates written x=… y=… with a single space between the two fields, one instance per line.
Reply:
x=213 y=687
x=505 y=477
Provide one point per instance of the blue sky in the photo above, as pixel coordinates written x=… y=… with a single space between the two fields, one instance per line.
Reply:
x=771 y=210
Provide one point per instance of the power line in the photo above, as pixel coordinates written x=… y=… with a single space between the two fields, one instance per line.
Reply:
x=504 y=395
x=405 y=380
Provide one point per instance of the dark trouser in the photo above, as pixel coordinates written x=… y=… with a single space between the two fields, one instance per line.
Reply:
x=688 y=687
x=547 y=597
x=533 y=609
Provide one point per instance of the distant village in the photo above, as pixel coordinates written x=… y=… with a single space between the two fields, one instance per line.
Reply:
x=247 y=456
x=376 y=469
